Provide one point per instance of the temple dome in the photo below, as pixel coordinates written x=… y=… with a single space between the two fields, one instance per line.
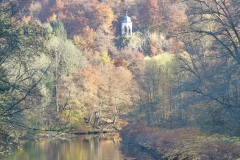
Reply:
x=126 y=26
x=126 y=19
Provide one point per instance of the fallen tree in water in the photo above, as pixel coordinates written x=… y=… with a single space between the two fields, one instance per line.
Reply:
x=183 y=143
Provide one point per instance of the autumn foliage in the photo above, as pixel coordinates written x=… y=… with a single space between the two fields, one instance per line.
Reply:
x=153 y=14
x=103 y=18
x=184 y=143
x=85 y=41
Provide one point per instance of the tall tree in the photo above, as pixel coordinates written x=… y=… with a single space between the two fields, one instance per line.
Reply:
x=103 y=18
x=65 y=54
x=212 y=41
x=218 y=19
x=21 y=45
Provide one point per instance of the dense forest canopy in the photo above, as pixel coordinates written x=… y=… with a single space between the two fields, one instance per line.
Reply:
x=64 y=65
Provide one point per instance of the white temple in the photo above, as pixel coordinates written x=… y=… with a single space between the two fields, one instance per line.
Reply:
x=126 y=26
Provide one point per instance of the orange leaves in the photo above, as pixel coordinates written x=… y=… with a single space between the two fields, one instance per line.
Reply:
x=88 y=35
x=120 y=62
x=160 y=15
x=103 y=13
x=175 y=46
x=133 y=59
x=149 y=13
x=90 y=79
x=103 y=17
x=178 y=13
x=86 y=41
x=82 y=21
x=102 y=85
x=59 y=5
x=52 y=18
x=153 y=10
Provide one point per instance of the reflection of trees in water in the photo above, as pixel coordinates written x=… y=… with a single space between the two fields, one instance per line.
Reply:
x=97 y=145
x=96 y=142
x=116 y=142
x=100 y=147
x=89 y=147
x=110 y=147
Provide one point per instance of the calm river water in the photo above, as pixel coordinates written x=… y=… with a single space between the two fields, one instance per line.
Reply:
x=86 y=147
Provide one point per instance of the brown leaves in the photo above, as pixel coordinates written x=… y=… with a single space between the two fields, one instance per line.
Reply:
x=52 y=18
x=103 y=17
x=120 y=62
x=86 y=40
x=58 y=6
x=153 y=12
x=150 y=13
x=183 y=143
x=97 y=88
x=89 y=79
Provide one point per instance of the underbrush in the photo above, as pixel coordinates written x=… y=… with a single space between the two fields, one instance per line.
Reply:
x=184 y=143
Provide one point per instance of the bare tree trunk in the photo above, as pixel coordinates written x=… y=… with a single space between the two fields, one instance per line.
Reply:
x=115 y=119
x=90 y=118
x=115 y=116
x=97 y=119
x=56 y=81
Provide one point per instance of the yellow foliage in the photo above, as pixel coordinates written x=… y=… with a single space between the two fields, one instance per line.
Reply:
x=72 y=116
x=79 y=42
x=52 y=18
x=26 y=19
x=86 y=40
x=90 y=78
x=161 y=59
x=106 y=59
x=105 y=16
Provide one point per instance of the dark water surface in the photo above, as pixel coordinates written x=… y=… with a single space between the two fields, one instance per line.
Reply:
x=86 y=147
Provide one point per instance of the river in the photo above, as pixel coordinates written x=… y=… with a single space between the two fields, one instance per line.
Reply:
x=84 y=147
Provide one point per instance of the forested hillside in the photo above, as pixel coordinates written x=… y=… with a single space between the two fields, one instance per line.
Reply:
x=65 y=67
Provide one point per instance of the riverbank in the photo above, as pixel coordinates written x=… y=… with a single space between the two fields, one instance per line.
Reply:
x=67 y=133
x=62 y=135
x=184 y=143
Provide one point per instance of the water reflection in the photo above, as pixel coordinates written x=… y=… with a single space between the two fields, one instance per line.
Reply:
x=91 y=147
